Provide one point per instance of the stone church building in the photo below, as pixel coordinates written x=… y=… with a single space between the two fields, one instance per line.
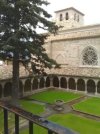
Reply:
x=76 y=46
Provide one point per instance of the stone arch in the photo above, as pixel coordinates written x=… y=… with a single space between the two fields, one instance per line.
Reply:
x=42 y=81
x=20 y=88
x=55 y=81
x=27 y=86
x=35 y=84
x=63 y=82
x=71 y=83
x=89 y=56
x=0 y=90
x=91 y=88
x=60 y=59
x=8 y=89
x=47 y=82
x=98 y=87
x=81 y=85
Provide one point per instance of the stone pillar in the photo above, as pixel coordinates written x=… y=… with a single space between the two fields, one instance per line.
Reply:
x=51 y=81
x=59 y=77
x=3 y=84
x=85 y=86
x=45 y=82
x=67 y=83
x=76 y=84
x=96 y=82
x=38 y=83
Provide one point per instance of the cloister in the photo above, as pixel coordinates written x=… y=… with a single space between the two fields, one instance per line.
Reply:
x=29 y=85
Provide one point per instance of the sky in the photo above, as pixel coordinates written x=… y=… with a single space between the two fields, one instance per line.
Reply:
x=91 y=8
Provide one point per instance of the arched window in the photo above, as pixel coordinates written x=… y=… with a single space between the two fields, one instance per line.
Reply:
x=78 y=19
x=61 y=17
x=75 y=16
x=67 y=16
x=89 y=56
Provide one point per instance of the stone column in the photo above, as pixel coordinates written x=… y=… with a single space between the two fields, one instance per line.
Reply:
x=51 y=81
x=76 y=84
x=38 y=83
x=2 y=84
x=59 y=77
x=96 y=82
x=86 y=85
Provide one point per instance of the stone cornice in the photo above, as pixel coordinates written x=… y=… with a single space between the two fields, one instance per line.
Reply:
x=75 y=35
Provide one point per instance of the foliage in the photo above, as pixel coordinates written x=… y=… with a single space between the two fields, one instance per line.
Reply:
x=19 y=40
x=19 y=20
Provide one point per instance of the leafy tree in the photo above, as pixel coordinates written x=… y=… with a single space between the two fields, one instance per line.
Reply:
x=19 y=40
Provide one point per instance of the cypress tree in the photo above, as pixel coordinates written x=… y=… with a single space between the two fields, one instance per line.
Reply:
x=19 y=40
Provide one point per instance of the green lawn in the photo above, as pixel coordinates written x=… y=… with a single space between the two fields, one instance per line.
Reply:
x=37 y=130
x=78 y=124
x=32 y=107
x=91 y=105
x=51 y=95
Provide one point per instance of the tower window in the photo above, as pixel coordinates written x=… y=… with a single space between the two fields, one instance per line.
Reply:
x=67 y=16
x=61 y=17
x=75 y=16
x=78 y=19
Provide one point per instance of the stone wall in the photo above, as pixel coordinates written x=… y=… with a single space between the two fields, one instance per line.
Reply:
x=6 y=71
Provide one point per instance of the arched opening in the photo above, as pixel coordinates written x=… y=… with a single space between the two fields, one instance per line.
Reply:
x=98 y=87
x=0 y=91
x=47 y=82
x=61 y=17
x=71 y=84
x=41 y=84
x=67 y=16
x=8 y=89
x=55 y=81
x=80 y=85
x=91 y=86
x=27 y=86
x=63 y=82
x=20 y=88
x=35 y=84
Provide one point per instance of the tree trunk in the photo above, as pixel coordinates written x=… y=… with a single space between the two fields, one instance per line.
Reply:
x=15 y=79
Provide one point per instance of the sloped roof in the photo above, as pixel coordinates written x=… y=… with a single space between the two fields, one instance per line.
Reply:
x=72 y=8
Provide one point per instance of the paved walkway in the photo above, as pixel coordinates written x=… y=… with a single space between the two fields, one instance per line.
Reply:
x=66 y=108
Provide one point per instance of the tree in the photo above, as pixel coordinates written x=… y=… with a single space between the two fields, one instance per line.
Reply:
x=19 y=40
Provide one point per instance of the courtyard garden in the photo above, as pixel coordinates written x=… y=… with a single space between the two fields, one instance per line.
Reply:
x=43 y=104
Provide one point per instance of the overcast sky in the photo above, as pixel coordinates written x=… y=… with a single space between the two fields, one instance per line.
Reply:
x=91 y=8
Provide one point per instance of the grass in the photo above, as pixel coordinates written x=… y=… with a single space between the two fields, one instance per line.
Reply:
x=91 y=106
x=37 y=130
x=32 y=107
x=51 y=95
x=78 y=124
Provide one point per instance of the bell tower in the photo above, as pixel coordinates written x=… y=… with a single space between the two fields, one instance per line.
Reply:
x=69 y=18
